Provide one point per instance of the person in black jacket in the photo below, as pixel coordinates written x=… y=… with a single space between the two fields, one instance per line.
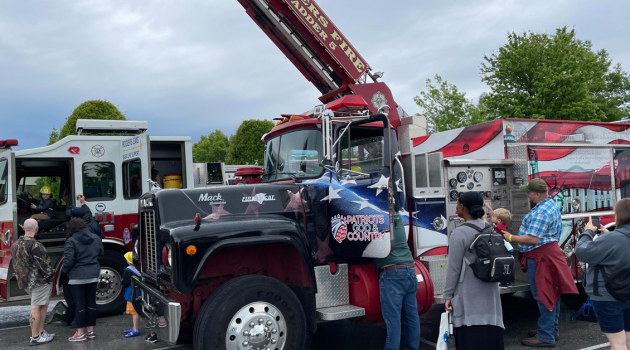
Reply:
x=43 y=211
x=83 y=212
x=81 y=253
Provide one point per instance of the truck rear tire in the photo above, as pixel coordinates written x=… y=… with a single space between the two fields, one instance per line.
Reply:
x=251 y=312
x=110 y=296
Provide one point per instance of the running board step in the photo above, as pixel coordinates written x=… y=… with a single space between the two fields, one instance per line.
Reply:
x=340 y=312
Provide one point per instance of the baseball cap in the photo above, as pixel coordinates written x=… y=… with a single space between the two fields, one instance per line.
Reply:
x=76 y=212
x=536 y=185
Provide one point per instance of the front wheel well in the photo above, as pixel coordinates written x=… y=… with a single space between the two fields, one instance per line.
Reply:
x=280 y=261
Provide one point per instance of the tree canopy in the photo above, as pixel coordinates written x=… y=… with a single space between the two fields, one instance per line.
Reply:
x=94 y=109
x=245 y=145
x=445 y=107
x=211 y=148
x=543 y=76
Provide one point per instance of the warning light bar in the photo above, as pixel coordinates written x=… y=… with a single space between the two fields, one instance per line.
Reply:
x=8 y=143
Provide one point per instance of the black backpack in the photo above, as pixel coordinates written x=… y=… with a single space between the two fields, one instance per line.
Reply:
x=494 y=262
x=617 y=283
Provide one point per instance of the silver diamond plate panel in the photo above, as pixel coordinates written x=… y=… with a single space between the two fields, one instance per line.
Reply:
x=437 y=266
x=332 y=290
x=518 y=153
x=339 y=312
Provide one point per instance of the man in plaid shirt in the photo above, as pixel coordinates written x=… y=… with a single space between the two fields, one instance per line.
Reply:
x=540 y=227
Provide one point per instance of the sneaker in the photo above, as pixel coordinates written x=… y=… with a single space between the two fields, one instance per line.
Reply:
x=48 y=335
x=162 y=323
x=90 y=335
x=152 y=338
x=77 y=338
x=39 y=340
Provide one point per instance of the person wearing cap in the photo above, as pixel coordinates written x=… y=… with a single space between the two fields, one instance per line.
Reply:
x=544 y=262
x=84 y=212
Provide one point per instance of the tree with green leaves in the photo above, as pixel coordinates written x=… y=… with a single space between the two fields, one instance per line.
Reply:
x=94 y=109
x=211 y=148
x=555 y=76
x=446 y=108
x=245 y=145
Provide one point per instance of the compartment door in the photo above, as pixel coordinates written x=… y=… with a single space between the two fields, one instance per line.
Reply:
x=8 y=220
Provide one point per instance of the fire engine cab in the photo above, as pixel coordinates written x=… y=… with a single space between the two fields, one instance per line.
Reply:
x=109 y=162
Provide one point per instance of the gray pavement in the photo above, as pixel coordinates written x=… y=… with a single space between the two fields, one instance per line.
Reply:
x=520 y=314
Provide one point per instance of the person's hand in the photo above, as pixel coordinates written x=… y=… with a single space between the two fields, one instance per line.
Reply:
x=487 y=205
x=589 y=226
x=448 y=306
x=33 y=206
x=506 y=235
x=81 y=198
x=603 y=229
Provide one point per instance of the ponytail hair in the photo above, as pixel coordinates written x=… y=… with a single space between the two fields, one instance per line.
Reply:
x=474 y=203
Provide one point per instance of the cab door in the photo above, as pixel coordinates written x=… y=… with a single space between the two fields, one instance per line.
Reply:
x=136 y=170
x=8 y=222
x=362 y=195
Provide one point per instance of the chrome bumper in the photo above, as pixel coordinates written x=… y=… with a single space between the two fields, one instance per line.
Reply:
x=150 y=304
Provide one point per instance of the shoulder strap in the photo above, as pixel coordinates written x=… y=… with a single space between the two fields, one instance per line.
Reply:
x=476 y=227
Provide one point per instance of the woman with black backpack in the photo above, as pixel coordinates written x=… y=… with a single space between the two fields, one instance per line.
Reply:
x=607 y=279
x=475 y=304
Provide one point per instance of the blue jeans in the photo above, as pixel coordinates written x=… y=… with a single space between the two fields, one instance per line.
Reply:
x=398 y=295
x=548 y=321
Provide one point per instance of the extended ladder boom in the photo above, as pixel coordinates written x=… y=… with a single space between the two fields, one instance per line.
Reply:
x=311 y=41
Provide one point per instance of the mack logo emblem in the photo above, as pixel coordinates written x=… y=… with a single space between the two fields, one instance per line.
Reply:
x=100 y=207
x=259 y=198
x=213 y=199
x=74 y=150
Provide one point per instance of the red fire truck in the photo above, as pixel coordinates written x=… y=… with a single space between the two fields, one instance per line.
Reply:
x=110 y=171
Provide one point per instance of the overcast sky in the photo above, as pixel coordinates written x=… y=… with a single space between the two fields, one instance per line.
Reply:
x=191 y=66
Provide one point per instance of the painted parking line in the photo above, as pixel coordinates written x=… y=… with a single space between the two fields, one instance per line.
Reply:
x=597 y=346
x=172 y=347
x=8 y=329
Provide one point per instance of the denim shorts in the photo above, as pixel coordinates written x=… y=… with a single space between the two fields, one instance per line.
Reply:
x=613 y=316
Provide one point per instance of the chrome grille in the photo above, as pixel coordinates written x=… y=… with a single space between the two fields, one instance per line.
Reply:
x=150 y=243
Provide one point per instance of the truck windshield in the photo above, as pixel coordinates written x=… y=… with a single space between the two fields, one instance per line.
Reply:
x=294 y=155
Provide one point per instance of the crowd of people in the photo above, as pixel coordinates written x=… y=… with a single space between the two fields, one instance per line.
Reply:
x=474 y=303
x=80 y=273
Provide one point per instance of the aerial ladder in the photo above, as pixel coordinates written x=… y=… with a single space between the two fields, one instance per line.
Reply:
x=318 y=49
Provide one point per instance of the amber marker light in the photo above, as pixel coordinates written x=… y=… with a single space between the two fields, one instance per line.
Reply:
x=191 y=250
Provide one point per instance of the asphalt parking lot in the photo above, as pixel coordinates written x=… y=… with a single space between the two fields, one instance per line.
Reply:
x=520 y=315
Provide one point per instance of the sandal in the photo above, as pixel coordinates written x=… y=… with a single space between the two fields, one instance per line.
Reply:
x=132 y=334
x=128 y=330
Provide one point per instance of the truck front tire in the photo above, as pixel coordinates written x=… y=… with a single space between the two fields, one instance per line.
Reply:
x=251 y=312
x=110 y=296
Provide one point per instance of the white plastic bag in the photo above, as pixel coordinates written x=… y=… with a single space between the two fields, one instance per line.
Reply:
x=446 y=338
x=443 y=335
